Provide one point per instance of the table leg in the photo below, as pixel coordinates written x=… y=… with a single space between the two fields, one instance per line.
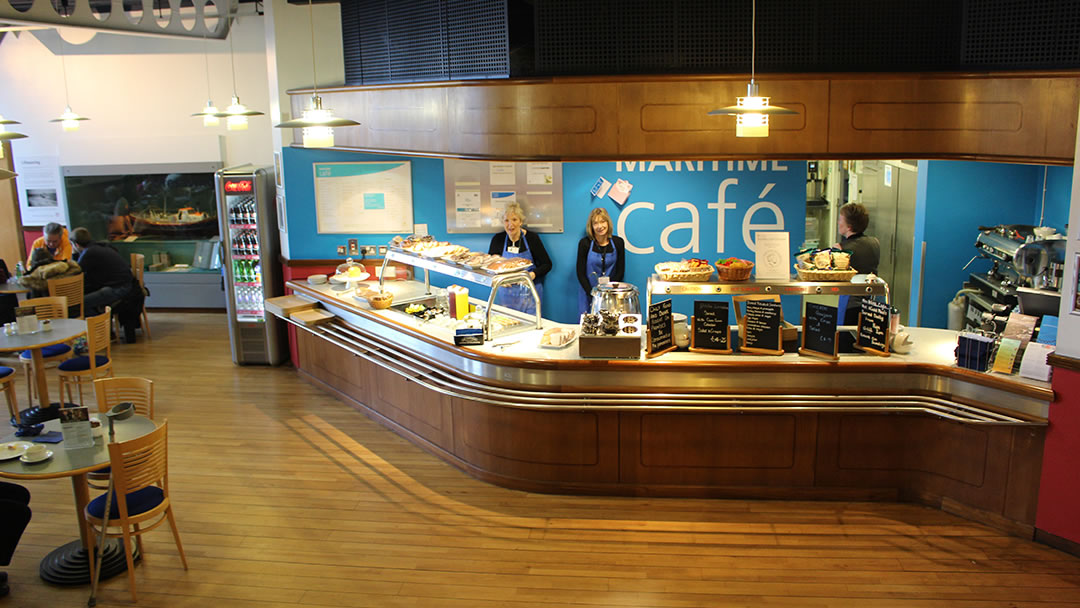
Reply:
x=70 y=564
x=45 y=410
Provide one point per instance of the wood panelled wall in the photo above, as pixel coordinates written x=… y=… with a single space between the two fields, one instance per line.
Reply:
x=1021 y=117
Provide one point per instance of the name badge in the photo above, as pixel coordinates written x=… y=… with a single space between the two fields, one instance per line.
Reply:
x=604 y=280
x=513 y=250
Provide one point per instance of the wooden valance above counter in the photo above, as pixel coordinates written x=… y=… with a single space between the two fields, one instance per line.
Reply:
x=1022 y=117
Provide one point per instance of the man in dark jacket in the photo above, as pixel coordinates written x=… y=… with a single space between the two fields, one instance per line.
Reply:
x=14 y=515
x=107 y=277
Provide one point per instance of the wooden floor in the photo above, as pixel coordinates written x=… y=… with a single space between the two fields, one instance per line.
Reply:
x=287 y=497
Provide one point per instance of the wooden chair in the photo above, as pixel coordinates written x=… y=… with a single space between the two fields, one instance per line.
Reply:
x=138 y=263
x=52 y=307
x=71 y=288
x=92 y=365
x=7 y=384
x=110 y=391
x=140 y=470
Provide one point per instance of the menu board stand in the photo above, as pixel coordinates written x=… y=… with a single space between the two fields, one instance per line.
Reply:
x=661 y=337
x=819 y=335
x=709 y=329
x=761 y=330
x=872 y=335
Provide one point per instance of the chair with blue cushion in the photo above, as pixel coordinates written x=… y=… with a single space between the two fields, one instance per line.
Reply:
x=111 y=391
x=45 y=308
x=140 y=469
x=7 y=384
x=96 y=363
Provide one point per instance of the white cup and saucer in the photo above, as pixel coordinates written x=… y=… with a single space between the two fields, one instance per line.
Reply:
x=36 y=453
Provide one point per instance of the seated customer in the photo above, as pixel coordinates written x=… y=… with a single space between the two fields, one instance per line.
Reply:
x=41 y=268
x=55 y=240
x=14 y=516
x=108 y=278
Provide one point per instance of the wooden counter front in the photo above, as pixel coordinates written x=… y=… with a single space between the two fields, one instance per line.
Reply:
x=715 y=427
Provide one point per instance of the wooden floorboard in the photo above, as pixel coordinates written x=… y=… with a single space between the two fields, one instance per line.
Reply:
x=288 y=498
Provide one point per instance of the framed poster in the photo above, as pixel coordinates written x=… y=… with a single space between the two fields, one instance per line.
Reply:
x=363 y=197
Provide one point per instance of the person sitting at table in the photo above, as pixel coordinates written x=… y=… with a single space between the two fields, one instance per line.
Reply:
x=14 y=516
x=42 y=267
x=55 y=239
x=108 y=279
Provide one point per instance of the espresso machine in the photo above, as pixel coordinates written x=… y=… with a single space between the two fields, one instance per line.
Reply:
x=1026 y=275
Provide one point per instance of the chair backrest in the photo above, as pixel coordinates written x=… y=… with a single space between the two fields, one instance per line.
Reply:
x=97 y=336
x=138 y=391
x=71 y=288
x=140 y=463
x=50 y=307
x=138 y=262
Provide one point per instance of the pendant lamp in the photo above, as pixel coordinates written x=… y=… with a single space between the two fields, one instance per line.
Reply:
x=6 y=135
x=68 y=120
x=236 y=115
x=5 y=174
x=210 y=112
x=318 y=123
x=752 y=112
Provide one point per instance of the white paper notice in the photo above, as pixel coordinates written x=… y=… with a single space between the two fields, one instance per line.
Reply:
x=501 y=174
x=539 y=173
x=1034 y=364
x=467 y=205
x=363 y=197
x=620 y=190
x=40 y=191
x=499 y=201
x=771 y=256
x=75 y=425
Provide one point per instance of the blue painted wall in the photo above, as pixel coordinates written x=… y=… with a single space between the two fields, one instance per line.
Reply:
x=960 y=196
x=675 y=191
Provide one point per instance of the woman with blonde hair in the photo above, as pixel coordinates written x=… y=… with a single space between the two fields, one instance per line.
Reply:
x=517 y=242
x=601 y=256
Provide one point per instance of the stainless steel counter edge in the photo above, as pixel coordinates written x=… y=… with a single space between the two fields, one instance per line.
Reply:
x=630 y=376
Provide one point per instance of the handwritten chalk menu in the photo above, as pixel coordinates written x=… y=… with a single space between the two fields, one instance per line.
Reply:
x=819 y=331
x=710 y=332
x=660 y=338
x=363 y=197
x=761 y=328
x=873 y=335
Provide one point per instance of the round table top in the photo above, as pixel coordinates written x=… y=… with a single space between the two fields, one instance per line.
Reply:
x=66 y=463
x=10 y=287
x=62 y=330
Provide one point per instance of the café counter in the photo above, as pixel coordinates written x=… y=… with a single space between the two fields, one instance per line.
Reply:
x=908 y=427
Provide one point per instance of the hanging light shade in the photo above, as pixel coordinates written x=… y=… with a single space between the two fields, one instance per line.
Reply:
x=209 y=115
x=236 y=115
x=5 y=174
x=752 y=112
x=317 y=122
x=6 y=135
x=69 y=120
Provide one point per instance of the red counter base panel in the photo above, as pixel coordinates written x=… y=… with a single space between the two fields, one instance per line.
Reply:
x=1059 y=488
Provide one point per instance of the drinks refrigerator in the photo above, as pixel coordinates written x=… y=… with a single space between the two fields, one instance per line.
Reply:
x=248 y=218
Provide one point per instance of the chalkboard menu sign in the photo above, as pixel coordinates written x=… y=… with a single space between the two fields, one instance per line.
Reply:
x=873 y=335
x=761 y=328
x=660 y=338
x=819 y=331
x=710 y=332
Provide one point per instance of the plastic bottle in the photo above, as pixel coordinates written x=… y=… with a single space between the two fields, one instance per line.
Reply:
x=19 y=271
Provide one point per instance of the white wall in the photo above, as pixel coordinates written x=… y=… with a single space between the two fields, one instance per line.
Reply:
x=139 y=93
x=1068 y=341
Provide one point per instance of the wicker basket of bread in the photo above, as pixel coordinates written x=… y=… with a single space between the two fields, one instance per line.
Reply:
x=733 y=269
x=824 y=265
x=686 y=270
x=814 y=274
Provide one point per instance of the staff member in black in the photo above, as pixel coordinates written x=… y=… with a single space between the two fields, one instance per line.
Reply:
x=851 y=222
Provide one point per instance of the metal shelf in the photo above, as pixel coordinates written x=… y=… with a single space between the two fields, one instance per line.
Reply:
x=793 y=287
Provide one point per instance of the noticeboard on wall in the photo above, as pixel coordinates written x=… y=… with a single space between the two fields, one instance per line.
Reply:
x=477 y=192
x=363 y=197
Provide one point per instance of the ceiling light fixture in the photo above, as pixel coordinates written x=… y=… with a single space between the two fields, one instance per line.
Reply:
x=6 y=135
x=5 y=174
x=68 y=120
x=752 y=112
x=318 y=123
x=236 y=115
x=210 y=112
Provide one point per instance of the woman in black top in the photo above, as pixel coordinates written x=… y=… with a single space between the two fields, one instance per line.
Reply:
x=851 y=221
x=516 y=242
x=600 y=254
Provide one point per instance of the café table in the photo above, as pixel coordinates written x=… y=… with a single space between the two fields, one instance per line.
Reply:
x=15 y=288
x=62 y=330
x=70 y=564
